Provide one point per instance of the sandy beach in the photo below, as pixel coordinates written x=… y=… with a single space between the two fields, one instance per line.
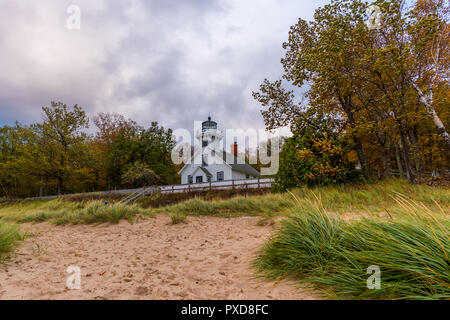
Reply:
x=207 y=258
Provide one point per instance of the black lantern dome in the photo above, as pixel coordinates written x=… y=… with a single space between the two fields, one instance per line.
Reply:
x=208 y=125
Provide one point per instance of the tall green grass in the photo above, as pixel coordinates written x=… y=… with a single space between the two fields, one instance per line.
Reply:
x=368 y=199
x=9 y=236
x=267 y=205
x=375 y=197
x=411 y=248
x=66 y=212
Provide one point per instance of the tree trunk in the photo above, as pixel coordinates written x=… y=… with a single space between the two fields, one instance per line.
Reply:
x=416 y=151
x=346 y=106
x=385 y=144
x=358 y=145
x=361 y=156
x=407 y=156
x=387 y=160
x=427 y=101
x=399 y=160
x=60 y=186
x=41 y=188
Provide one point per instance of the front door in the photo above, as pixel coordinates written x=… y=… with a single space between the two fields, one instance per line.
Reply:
x=199 y=179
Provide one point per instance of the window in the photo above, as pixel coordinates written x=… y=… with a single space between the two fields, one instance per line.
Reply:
x=220 y=176
x=199 y=179
x=209 y=178
x=190 y=179
x=247 y=177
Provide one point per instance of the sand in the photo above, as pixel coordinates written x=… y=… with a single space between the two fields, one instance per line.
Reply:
x=208 y=258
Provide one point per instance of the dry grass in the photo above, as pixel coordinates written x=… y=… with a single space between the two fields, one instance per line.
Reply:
x=67 y=212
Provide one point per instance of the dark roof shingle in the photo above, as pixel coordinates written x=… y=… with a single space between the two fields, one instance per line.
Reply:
x=238 y=164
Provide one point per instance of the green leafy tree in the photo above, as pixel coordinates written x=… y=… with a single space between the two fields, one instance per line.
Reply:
x=139 y=174
x=55 y=148
x=316 y=154
x=152 y=146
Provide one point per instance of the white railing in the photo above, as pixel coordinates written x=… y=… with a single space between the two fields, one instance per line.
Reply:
x=219 y=185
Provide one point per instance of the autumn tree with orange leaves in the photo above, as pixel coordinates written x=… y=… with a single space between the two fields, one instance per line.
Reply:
x=388 y=86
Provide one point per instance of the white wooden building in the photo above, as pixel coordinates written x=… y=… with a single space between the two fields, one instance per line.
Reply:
x=210 y=163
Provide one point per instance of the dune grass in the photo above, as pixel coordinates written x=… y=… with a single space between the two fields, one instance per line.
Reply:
x=178 y=218
x=270 y=204
x=367 y=199
x=66 y=212
x=373 y=198
x=9 y=236
x=411 y=249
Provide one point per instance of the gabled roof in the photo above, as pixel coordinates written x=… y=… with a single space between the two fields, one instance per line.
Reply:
x=208 y=174
x=205 y=171
x=239 y=164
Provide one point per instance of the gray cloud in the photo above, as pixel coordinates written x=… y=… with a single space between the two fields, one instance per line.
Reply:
x=168 y=61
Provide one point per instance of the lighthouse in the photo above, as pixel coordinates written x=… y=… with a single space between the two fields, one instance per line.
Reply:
x=211 y=163
x=210 y=136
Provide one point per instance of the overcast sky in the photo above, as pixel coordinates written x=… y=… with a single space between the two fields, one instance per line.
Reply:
x=168 y=61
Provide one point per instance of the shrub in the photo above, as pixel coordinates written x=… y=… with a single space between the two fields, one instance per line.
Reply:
x=315 y=155
x=9 y=235
x=178 y=218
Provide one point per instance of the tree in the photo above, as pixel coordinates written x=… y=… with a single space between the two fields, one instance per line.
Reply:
x=281 y=108
x=13 y=181
x=112 y=127
x=151 y=146
x=377 y=81
x=317 y=154
x=140 y=175
x=55 y=147
x=154 y=148
x=56 y=156
x=430 y=34
x=322 y=54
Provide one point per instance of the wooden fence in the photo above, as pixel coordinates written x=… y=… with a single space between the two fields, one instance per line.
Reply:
x=219 y=185
x=180 y=188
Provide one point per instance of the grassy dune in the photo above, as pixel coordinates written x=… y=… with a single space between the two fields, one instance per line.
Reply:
x=269 y=205
x=333 y=234
x=346 y=200
x=411 y=249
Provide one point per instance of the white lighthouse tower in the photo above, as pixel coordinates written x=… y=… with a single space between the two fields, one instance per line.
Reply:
x=210 y=136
